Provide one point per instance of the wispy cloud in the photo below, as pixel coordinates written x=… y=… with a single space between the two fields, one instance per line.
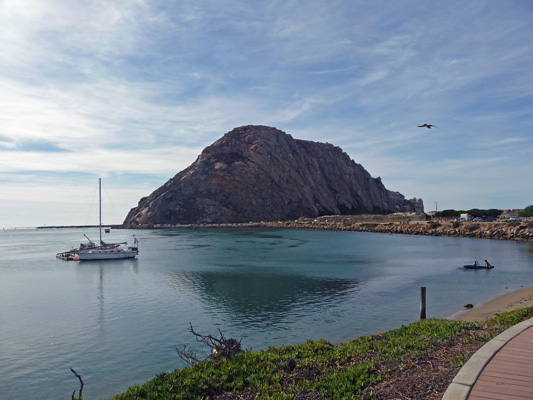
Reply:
x=133 y=90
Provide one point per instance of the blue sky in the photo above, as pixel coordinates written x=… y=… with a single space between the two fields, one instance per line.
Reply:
x=132 y=91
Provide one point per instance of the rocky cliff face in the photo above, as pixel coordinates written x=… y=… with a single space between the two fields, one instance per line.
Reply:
x=258 y=173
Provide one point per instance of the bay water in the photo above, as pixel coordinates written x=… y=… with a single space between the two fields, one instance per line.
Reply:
x=117 y=323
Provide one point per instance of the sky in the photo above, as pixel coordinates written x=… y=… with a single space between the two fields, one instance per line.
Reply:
x=131 y=91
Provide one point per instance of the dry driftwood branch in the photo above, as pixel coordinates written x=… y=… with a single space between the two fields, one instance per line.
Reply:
x=81 y=385
x=219 y=345
x=188 y=355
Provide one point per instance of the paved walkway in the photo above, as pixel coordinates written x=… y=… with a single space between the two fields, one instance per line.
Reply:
x=501 y=370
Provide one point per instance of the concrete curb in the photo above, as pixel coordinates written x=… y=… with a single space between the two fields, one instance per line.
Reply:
x=461 y=385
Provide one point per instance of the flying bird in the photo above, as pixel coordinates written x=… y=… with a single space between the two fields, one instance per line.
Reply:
x=429 y=126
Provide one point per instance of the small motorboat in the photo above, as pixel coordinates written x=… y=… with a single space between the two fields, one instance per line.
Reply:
x=68 y=255
x=477 y=266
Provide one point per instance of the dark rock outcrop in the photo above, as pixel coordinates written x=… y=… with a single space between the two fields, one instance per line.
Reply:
x=258 y=173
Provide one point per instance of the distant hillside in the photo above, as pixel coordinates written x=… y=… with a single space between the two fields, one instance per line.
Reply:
x=259 y=173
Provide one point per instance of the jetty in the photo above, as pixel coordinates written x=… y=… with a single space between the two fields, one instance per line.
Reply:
x=398 y=223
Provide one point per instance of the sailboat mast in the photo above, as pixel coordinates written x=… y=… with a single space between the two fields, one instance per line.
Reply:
x=100 y=206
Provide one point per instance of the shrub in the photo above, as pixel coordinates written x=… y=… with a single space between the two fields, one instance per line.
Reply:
x=526 y=212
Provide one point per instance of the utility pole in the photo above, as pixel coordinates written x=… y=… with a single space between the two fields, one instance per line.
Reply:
x=436 y=207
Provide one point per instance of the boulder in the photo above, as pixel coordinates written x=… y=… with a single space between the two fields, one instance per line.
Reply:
x=259 y=173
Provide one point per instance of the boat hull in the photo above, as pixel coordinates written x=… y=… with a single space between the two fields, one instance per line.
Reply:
x=477 y=267
x=95 y=255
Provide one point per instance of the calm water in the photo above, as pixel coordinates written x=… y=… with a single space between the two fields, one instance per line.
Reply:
x=117 y=322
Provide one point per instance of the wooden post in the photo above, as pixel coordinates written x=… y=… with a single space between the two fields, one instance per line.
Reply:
x=422 y=303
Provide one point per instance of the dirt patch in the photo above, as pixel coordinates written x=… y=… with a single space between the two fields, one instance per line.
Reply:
x=424 y=377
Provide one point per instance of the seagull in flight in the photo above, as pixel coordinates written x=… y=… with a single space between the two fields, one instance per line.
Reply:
x=429 y=126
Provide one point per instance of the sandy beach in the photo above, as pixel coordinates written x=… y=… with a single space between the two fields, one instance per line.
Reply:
x=511 y=301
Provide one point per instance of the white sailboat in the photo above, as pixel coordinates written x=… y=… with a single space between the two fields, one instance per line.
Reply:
x=105 y=251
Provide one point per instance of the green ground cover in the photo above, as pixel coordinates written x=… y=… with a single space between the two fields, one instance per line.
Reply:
x=366 y=367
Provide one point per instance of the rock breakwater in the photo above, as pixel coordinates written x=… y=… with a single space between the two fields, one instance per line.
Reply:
x=399 y=223
x=482 y=230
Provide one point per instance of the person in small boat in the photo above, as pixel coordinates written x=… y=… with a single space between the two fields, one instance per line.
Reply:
x=476 y=263
x=487 y=264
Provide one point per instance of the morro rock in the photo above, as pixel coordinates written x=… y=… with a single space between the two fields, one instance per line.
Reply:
x=258 y=173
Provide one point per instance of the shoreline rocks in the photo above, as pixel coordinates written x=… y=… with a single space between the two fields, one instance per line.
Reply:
x=402 y=223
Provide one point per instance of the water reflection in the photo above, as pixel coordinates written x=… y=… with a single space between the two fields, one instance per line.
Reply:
x=268 y=287
x=233 y=238
x=101 y=298
x=88 y=269
x=258 y=299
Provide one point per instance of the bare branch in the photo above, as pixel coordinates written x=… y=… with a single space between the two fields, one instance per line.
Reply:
x=187 y=355
x=220 y=347
x=208 y=340
x=81 y=384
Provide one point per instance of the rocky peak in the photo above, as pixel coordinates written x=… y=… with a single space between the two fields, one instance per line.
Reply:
x=259 y=173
